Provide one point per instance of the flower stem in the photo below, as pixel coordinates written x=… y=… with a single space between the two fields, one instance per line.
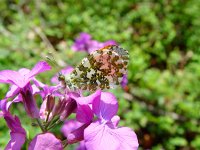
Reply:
x=57 y=121
x=47 y=119
x=39 y=123
x=64 y=143
x=49 y=123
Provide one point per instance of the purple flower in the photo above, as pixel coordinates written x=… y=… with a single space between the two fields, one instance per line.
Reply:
x=47 y=107
x=77 y=134
x=45 y=141
x=17 y=133
x=64 y=107
x=81 y=42
x=23 y=77
x=49 y=90
x=20 y=84
x=69 y=126
x=85 y=43
x=103 y=130
x=84 y=116
x=103 y=135
x=95 y=45
x=124 y=81
x=84 y=111
x=70 y=107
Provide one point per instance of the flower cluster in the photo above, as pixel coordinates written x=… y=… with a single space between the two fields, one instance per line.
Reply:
x=95 y=125
x=85 y=43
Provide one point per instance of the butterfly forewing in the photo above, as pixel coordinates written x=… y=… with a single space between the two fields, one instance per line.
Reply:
x=102 y=69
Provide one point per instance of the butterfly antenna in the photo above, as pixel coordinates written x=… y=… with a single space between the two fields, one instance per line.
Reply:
x=51 y=60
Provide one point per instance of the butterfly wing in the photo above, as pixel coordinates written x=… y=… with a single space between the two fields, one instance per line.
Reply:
x=102 y=69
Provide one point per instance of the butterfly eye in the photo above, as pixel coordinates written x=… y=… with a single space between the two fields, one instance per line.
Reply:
x=61 y=77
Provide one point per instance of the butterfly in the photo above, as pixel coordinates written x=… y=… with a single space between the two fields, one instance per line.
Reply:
x=102 y=69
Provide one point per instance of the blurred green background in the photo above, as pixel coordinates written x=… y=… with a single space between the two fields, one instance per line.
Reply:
x=161 y=102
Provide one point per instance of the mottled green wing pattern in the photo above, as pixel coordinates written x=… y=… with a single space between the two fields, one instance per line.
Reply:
x=102 y=69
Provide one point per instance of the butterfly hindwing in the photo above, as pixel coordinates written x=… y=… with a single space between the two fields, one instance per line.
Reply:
x=102 y=69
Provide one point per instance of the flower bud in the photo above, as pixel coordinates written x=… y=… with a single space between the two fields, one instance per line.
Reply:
x=69 y=108
x=50 y=103
x=59 y=108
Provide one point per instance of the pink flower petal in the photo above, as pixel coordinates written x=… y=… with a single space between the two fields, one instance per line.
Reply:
x=12 y=77
x=23 y=71
x=16 y=142
x=109 y=42
x=100 y=136
x=124 y=81
x=45 y=141
x=84 y=113
x=115 y=120
x=69 y=126
x=17 y=99
x=43 y=113
x=81 y=42
x=40 y=67
x=13 y=123
x=35 y=89
x=107 y=107
x=17 y=134
x=13 y=91
x=76 y=135
x=38 y=83
x=3 y=105
x=88 y=99
x=85 y=43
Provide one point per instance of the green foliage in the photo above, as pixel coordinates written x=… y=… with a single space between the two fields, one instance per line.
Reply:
x=162 y=100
